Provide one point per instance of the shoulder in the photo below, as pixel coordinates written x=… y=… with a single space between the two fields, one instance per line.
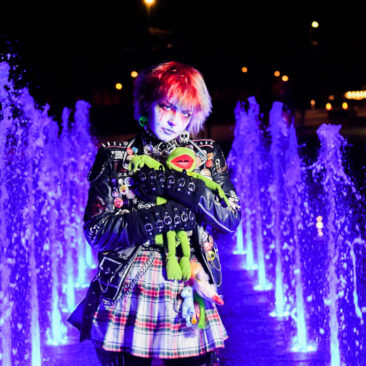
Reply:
x=107 y=153
x=215 y=155
x=210 y=146
x=207 y=144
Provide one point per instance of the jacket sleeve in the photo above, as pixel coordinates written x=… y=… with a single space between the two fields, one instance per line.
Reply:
x=104 y=228
x=210 y=208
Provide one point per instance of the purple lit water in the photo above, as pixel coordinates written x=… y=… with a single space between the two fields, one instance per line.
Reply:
x=245 y=162
x=316 y=271
x=43 y=194
x=312 y=238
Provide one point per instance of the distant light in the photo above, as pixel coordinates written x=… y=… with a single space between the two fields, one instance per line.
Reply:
x=328 y=106
x=284 y=78
x=345 y=105
x=356 y=94
x=276 y=73
x=319 y=225
x=331 y=97
x=134 y=74
x=244 y=69
x=315 y=24
x=119 y=86
x=312 y=103
x=149 y=2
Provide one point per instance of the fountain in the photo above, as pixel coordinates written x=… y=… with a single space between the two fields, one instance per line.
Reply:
x=302 y=228
x=310 y=239
x=247 y=167
x=43 y=190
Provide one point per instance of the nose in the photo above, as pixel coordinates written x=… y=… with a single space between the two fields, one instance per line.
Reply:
x=173 y=119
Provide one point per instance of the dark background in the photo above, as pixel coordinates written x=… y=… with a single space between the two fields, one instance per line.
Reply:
x=66 y=53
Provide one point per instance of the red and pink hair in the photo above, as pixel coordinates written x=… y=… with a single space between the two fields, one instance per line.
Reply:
x=180 y=83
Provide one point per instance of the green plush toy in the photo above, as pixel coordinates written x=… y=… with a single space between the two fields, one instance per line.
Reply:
x=179 y=159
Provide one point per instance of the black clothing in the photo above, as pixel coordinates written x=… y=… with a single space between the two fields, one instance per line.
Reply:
x=106 y=225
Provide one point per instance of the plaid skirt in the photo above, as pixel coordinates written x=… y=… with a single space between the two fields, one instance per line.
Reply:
x=148 y=322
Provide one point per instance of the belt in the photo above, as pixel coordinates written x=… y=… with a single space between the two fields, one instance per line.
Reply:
x=153 y=248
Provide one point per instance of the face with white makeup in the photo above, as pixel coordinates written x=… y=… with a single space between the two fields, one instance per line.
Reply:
x=167 y=119
x=174 y=98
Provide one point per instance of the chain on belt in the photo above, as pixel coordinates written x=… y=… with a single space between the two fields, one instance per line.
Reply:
x=128 y=289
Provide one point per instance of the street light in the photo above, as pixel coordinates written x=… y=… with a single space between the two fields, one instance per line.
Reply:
x=315 y=24
x=149 y=4
x=119 y=86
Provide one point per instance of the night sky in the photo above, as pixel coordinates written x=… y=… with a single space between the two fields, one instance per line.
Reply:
x=69 y=53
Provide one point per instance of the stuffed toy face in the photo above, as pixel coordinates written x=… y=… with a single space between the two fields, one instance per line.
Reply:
x=181 y=158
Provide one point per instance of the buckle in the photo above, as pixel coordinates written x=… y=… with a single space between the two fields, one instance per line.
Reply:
x=191 y=186
x=159 y=224
x=148 y=227
x=181 y=182
x=142 y=176
x=177 y=220
x=161 y=176
x=152 y=175
x=184 y=216
x=167 y=220
x=171 y=179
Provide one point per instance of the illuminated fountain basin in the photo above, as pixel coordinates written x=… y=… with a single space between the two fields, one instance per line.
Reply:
x=43 y=192
x=309 y=222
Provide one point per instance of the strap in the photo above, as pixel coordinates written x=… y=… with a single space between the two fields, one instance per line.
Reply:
x=128 y=289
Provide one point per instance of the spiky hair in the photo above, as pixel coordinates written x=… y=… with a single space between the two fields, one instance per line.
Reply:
x=180 y=83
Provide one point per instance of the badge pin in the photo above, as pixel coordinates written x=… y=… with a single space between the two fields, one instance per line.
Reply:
x=128 y=181
x=210 y=255
x=115 y=193
x=209 y=163
x=131 y=194
x=118 y=202
x=206 y=173
x=207 y=246
x=123 y=189
x=148 y=149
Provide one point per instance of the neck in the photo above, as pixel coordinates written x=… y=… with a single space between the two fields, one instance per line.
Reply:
x=157 y=146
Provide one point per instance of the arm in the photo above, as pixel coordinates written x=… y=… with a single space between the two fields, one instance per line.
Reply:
x=106 y=229
x=211 y=209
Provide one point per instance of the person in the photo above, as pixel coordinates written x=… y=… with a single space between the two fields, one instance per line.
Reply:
x=122 y=219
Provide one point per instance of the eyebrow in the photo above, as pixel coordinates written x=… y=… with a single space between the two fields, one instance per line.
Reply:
x=175 y=107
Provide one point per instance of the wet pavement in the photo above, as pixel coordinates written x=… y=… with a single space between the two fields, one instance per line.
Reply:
x=255 y=338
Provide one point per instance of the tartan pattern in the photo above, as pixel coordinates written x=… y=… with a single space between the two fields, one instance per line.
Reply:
x=148 y=322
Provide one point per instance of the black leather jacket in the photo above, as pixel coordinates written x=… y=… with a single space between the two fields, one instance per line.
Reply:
x=105 y=225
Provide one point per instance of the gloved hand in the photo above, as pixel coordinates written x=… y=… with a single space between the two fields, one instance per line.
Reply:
x=149 y=183
x=183 y=188
x=145 y=224
x=170 y=184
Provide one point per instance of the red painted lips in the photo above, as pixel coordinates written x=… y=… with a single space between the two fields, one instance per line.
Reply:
x=183 y=161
